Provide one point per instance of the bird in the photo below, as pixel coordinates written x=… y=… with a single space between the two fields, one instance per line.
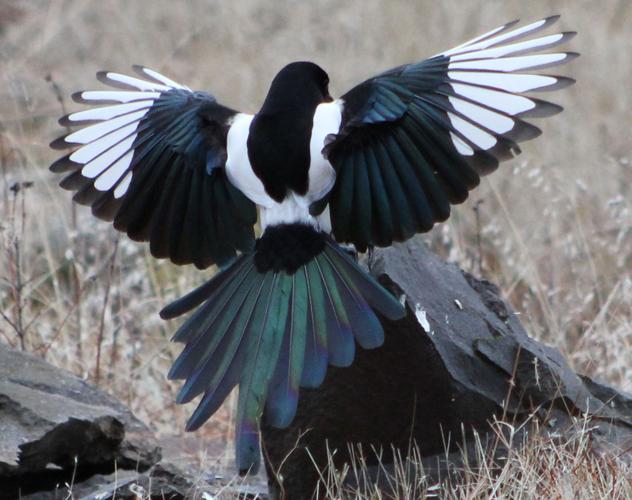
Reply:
x=381 y=163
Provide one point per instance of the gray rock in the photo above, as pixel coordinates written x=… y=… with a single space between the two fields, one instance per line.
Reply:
x=56 y=427
x=458 y=360
x=444 y=371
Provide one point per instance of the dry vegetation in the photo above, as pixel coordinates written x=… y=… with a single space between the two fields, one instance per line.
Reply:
x=555 y=225
x=513 y=466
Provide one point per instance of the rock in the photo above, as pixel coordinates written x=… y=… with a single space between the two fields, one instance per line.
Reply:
x=457 y=361
x=56 y=428
x=162 y=481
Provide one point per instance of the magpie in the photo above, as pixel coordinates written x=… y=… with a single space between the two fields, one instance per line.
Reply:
x=383 y=162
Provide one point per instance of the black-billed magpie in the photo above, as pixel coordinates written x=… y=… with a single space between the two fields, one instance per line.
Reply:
x=174 y=167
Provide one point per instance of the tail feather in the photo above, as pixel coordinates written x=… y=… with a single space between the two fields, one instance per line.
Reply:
x=367 y=329
x=230 y=369
x=260 y=363
x=316 y=355
x=227 y=337
x=199 y=322
x=273 y=331
x=340 y=343
x=372 y=292
x=283 y=398
x=316 y=358
x=202 y=332
x=194 y=298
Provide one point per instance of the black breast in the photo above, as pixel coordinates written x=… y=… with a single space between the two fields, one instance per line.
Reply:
x=278 y=150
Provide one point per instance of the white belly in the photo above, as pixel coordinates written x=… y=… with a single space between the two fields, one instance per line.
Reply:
x=293 y=209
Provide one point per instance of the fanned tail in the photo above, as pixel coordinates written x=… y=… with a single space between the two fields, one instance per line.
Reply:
x=272 y=330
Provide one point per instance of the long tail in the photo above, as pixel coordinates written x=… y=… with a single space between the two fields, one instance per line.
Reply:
x=272 y=330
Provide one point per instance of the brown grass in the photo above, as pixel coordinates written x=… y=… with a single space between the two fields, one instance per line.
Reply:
x=538 y=465
x=555 y=224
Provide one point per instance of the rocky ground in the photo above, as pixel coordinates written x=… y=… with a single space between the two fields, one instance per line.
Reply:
x=61 y=435
x=460 y=357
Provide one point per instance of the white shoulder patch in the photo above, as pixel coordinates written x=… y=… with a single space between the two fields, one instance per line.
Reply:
x=327 y=119
x=238 y=168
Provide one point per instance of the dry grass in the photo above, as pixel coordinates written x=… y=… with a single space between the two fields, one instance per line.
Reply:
x=517 y=465
x=555 y=224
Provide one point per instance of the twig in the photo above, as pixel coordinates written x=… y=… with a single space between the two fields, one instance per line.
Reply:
x=108 y=283
x=15 y=258
x=479 y=245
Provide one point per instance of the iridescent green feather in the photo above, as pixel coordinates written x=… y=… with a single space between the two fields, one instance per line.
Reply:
x=283 y=397
x=259 y=365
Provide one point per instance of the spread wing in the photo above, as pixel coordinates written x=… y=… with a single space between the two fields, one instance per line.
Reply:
x=417 y=138
x=152 y=159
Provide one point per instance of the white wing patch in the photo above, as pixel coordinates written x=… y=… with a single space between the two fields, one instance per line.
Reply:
x=502 y=101
x=503 y=81
x=510 y=63
x=496 y=122
x=116 y=95
x=462 y=147
x=105 y=159
x=471 y=132
x=539 y=43
x=103 y=144
x=135 y=83
x=485 y=83
x=488 y=40
x=112 y=174
x=162 y=78
x=108 y=112
x=106 y=146
x=322 y=176
x=94 y=132
x=238 y=168
x=123 y=186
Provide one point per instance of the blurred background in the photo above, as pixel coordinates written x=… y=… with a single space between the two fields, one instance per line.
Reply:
x=553 y=228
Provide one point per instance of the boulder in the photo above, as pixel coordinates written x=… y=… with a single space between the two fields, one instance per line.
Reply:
x=57 y=428
x=62 y=435
x=459 y=360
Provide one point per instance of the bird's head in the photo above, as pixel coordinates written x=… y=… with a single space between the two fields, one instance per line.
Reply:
x=299 y=84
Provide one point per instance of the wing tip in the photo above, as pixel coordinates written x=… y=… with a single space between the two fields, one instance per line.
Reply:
x=167 y=313
x=571 y=56
x=141 y=71
x=60 y=143
x=102 y=76
x=194 y=423
x=106 y=77
x=561 y=82
x=63 y=164
x=78 y=97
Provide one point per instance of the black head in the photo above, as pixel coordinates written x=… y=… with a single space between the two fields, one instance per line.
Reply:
x=279 y=137
x=299 y=84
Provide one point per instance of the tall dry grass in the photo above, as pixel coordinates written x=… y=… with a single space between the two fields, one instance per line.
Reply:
x=555 y=225
x=515 y=465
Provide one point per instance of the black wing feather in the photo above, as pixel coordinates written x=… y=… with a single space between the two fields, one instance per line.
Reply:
x=417 y=138
x=162 y=178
